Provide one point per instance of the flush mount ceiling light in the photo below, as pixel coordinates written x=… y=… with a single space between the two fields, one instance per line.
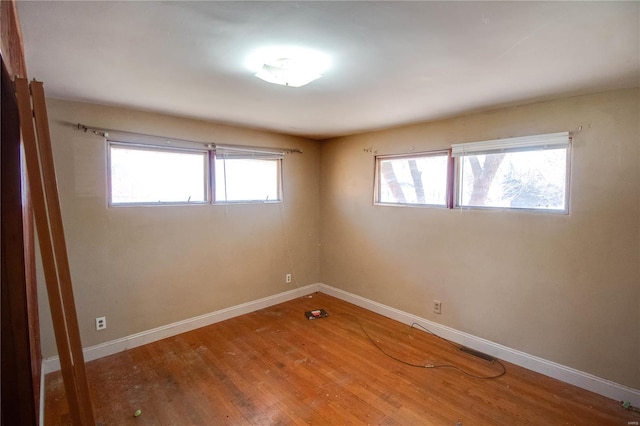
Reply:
x=287 y=72
x=288 y=66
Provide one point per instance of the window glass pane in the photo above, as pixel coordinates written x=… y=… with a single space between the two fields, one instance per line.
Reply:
x=413 y=180
x=244 y=179
x=150 y=175
x=525 y=179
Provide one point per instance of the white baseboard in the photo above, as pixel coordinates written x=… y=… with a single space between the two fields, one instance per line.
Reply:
x=566 y=374
x=52 y=364
x=548 y=368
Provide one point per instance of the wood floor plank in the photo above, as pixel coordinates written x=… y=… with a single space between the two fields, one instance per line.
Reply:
x=275 y=367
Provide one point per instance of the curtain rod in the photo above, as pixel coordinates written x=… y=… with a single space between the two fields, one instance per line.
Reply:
x=102 y=132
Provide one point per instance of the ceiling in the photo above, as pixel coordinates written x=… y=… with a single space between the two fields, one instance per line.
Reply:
x=393 y=63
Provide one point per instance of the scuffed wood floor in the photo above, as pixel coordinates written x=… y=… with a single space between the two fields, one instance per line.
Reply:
x=276 y=367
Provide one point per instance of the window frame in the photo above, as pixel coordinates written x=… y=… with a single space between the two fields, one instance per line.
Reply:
x=456 y=154
x=158 y=148
x=457 y=181
x=280 y=191
x=435 y=153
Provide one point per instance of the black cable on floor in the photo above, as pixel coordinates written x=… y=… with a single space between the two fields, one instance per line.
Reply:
x=451 y=366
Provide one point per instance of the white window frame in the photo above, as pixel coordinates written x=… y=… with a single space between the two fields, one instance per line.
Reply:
x=377 y=177
x=235 y=152
x=561 y=140
x=156 y=148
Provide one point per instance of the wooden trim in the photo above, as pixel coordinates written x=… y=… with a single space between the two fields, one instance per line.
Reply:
x=20 y=347
x=31 y=283
x=53 y=250
x=13 y=64
x=46 y=248
x=11 y=44
x=59 y=243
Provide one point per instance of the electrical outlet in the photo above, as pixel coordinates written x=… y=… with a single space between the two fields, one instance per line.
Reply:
x=437 y=306
x=287 y=278
x=101 y=323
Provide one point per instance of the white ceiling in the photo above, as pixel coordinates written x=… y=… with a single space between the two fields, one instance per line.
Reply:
x=393 y=62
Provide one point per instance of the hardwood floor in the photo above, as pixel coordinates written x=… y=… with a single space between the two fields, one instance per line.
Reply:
x=274 y=366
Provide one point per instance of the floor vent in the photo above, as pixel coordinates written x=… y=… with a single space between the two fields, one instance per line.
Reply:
x=477 y=353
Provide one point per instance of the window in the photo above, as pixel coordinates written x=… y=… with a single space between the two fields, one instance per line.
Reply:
x=152 y=175
x=247 y=176
x=517 y=173
x=415 y=179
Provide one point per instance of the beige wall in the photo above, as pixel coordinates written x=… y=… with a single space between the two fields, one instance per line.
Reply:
x=144 y=267
x=562 y=287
